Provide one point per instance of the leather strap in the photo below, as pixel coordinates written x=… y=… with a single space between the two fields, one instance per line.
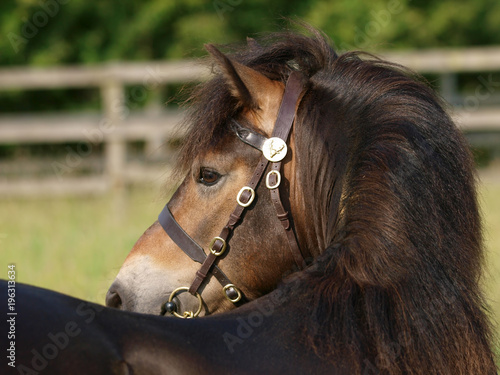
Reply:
x=234 y=218
x=286 y=113
x=180 y=237
x=186 y=243
x=282 y=128
x=248 y=136
x=285 y=218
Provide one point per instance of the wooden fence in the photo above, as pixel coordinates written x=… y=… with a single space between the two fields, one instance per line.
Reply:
x=115 y=126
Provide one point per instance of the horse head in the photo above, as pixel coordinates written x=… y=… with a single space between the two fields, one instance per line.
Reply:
x=241 y=107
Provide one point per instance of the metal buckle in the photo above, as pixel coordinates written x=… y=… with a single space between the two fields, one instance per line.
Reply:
x=238 y=297
x=278 y=179
x=212 y=243
x=186 y=314
x=252 y=197
x=274 y=149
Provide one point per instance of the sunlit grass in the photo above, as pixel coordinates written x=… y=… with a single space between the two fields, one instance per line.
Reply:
x=77 y=245
x=74 y=245
x=490 y=203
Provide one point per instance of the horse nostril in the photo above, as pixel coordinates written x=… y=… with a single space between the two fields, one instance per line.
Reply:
x=113 y=299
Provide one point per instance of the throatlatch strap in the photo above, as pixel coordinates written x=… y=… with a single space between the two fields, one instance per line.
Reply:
x=298 y=254
x=282 y=128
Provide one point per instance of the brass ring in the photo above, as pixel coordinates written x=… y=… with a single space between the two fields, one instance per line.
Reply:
x=221 y=251
x=278 y=179
x=238 y=297
x=252 y=197
x=186 y=314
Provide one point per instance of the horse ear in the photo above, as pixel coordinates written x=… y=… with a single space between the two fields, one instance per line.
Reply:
x=246 y=84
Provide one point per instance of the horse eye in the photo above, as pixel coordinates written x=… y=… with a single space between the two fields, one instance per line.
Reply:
x=208 y=177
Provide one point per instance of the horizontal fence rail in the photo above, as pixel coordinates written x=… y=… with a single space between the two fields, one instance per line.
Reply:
x=151 y=73
x=60 y=128
x=448 y=60
x=114 y=129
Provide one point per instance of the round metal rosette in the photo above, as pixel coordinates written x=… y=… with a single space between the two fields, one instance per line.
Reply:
x=274 y=149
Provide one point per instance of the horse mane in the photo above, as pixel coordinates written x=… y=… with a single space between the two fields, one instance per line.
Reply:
x=399 y=281
x=390 y=183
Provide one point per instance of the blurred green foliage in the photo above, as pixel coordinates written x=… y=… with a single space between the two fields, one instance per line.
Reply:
x=48 y=32
x=59 y=32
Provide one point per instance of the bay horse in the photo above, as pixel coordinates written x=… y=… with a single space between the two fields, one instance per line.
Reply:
x=376 y=187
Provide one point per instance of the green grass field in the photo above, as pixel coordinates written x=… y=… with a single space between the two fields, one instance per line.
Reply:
x=490 y=203
x=77 y=245
x=74 y=245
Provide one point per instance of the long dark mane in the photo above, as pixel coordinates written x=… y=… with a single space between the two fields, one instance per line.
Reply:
x=391 y=188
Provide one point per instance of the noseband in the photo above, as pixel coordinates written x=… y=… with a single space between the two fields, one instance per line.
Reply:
x=273 y=149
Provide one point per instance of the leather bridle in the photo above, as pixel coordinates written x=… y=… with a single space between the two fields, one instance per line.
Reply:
x=274 y=149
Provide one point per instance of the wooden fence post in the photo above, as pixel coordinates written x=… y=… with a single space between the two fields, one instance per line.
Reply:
x=449 y=87
x=115 y=111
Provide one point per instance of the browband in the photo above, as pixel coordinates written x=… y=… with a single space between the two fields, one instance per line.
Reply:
x=248 y=136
